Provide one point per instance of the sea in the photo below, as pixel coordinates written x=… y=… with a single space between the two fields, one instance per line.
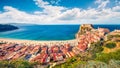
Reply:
x=48 y=32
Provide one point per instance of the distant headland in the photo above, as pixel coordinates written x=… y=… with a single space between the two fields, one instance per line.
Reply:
x=7 y=27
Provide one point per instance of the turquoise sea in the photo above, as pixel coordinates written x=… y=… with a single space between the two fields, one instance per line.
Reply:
x=48 y=32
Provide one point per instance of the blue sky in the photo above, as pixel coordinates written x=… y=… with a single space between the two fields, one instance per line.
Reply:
x=60 y=11
x=23 y=5
x=30 y=6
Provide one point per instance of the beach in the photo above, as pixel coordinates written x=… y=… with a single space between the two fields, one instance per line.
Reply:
x=34 y=42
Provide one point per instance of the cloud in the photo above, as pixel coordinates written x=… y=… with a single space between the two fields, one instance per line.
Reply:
x=41 y=3
x=49 y=9
x=13 y=15
x=102 y=3
x=116 y=8
x=55 y=2
x=62 y=15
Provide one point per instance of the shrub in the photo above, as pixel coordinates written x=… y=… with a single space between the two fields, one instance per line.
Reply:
x=105 y=57
x=98 y=64
x=96 y=47
x=71 y=60
x=111 y=45
x=16 y=64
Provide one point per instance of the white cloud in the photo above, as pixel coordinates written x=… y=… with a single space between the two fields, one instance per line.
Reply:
x=49 y=9
x=61 y=15
x=41 y=3
x=55 y=2
x=116 y=8
x=102 y=3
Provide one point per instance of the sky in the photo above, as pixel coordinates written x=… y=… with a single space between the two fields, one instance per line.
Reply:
x=60 y=11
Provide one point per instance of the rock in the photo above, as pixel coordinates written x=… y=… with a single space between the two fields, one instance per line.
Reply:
x=83 y=29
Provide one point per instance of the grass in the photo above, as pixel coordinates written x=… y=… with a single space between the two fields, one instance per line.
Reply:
x=16 y=64
x=105 y=57
x=108 y=50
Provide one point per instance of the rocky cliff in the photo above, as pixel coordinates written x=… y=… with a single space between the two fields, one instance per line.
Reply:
x=83 y=29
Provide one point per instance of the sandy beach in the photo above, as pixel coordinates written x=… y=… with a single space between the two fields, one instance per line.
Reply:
x=33 y=42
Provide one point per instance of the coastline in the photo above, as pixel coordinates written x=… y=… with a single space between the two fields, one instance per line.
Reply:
x=36 y=42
